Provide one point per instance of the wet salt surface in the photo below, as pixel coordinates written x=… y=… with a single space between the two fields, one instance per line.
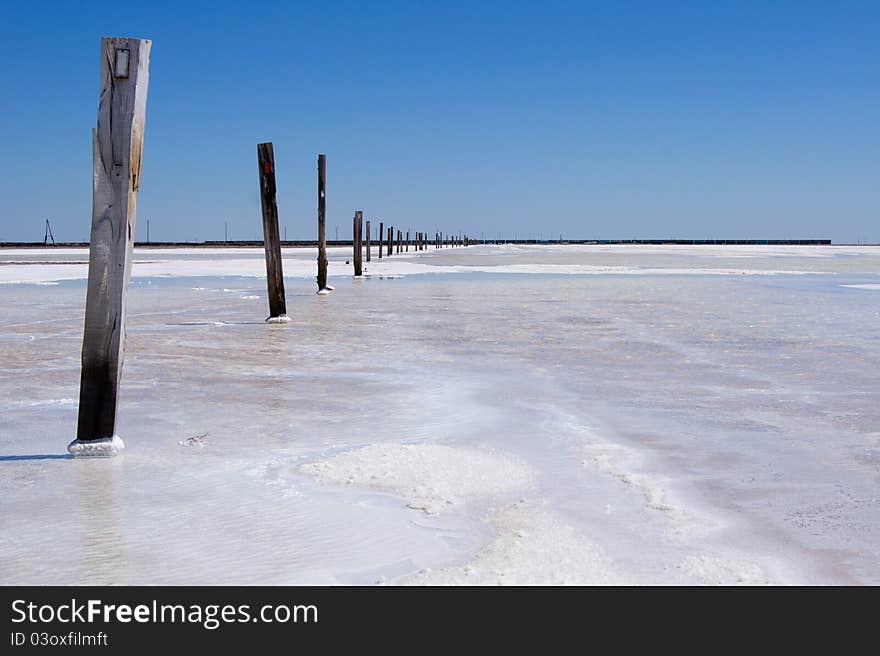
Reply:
x=616 y=427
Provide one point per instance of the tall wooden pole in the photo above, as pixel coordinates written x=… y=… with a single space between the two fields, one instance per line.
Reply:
x=356 y=244
x=390 y=239
x=360 y=253
x=407 y=241
x=271 y=241
x=322 y=224
x=117 y=144
x=368 y=241
x=381 y=234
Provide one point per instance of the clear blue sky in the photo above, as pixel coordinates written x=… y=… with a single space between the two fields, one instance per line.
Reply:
x=605 y=120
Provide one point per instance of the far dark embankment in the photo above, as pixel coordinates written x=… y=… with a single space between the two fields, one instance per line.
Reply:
x=475 y=242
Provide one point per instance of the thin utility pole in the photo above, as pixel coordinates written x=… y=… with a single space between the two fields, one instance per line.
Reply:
x=48 y=235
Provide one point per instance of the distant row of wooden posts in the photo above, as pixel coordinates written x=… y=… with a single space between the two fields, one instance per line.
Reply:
x=398 y=241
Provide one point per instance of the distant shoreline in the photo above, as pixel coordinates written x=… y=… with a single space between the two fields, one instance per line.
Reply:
x=548 y=242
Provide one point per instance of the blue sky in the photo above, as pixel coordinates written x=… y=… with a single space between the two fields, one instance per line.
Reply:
x=601 y=120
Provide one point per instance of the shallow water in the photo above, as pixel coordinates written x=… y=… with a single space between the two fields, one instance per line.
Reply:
x=690 y=427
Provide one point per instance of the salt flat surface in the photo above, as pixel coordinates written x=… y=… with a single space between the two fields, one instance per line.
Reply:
x=495 y=414
x=49 y=265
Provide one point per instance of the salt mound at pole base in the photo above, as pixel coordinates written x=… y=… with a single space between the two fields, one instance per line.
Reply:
x=101 y=448
x=280 y=319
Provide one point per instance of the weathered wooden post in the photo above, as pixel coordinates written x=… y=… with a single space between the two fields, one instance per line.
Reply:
x=322 y=221
x=399 y=241
x=368 y=241
x=381 y=233
x=390 y=239
x=117 y=143
x=271 y=242
x=356 y=244
x=407 y=241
